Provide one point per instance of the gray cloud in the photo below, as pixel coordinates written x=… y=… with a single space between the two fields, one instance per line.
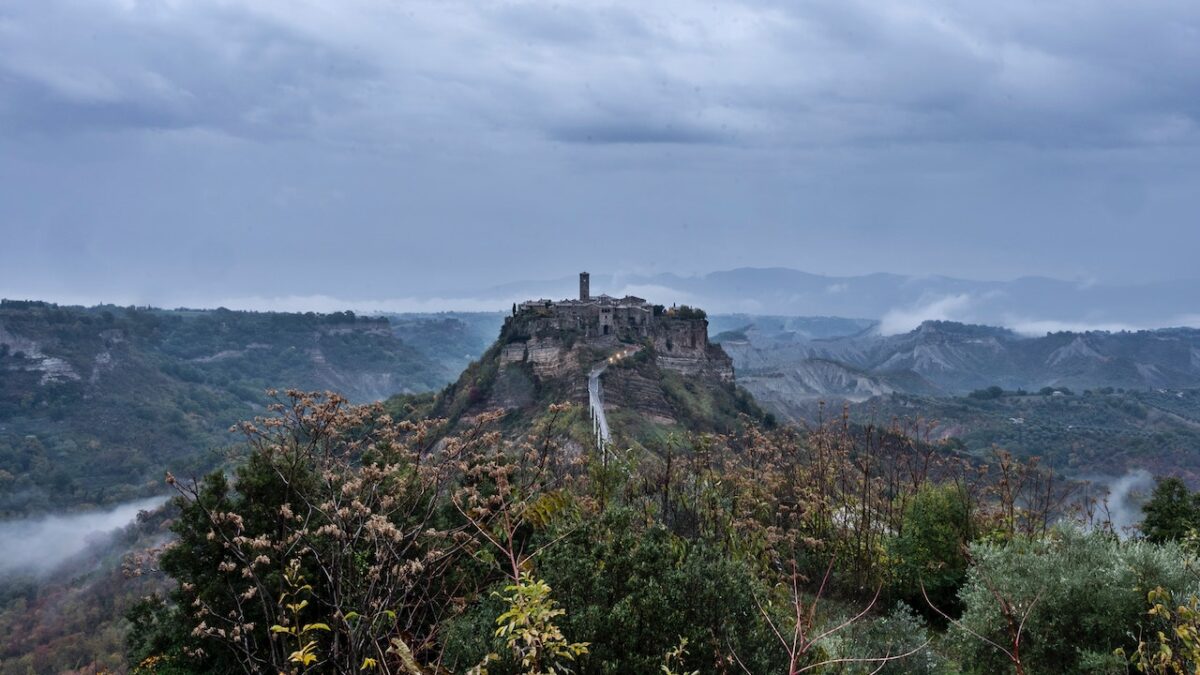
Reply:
x=225 y=148
x=73 y=66
x=634 y=133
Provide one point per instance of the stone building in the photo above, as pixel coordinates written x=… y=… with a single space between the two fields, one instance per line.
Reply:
x=627 y=318
x=544 y=332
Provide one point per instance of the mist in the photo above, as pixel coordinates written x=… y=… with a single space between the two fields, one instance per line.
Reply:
x=39 y=545
x=1125 y=496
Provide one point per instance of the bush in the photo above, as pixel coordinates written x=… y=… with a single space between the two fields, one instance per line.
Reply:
x=1085 y=596
x=633 y=592
x=992 y=392
x=931 y=548
x=899 y=632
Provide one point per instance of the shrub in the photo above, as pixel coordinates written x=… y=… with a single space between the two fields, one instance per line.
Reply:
x=1081 y=597
x=899 y=632
x=632 y=593
x=931 y=548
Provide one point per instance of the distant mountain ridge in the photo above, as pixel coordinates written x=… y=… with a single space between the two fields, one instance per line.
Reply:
x=1029 y=304
x=948 y=358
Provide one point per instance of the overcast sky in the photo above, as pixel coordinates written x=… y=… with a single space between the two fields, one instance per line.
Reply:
x=189 y=152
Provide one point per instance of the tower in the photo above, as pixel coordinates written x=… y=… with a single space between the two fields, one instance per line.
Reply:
x=584 y=284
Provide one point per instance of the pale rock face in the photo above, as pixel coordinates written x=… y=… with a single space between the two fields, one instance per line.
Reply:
x=53 y=369
x=682 y=346
x=1078 y=349
x=103 y=363
x=547 y=355
x=512 y=353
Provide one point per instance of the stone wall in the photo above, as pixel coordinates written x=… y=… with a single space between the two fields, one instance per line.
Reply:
x=682 y=345
x=546 y=342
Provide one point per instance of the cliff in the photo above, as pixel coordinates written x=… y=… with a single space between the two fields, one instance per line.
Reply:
x=673 y=377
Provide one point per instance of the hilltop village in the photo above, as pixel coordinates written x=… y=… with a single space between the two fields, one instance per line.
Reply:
x=540 y=330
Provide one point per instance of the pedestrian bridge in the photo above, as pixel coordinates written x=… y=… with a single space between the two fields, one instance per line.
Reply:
x=596 y=397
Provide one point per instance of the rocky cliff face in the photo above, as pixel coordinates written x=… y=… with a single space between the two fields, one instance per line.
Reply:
x=682 y=345
x=678 y=345
x=671 y=373
x=548 y=357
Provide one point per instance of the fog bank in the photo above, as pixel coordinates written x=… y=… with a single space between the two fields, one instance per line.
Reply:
x=42 y=543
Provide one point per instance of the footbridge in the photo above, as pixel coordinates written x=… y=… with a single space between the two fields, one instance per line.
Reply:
x=596 y=397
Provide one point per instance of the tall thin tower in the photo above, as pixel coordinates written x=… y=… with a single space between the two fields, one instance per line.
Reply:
x=584 y=286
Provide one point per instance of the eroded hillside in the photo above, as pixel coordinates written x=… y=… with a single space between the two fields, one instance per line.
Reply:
x=95 y=403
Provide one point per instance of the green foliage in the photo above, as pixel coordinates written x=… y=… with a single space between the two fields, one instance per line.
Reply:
x=899 y=632
x=1104 y=433
x=148 y=390
x=705 y=406
x=1172 y=646
x=992 y=392
x=1172 y=512
x=529 y=632
x=633 y=592
x=675 y=658
x=154 y=641
x=686 y=312
x=1082 y=596
x=663 y=557
x=931 y=549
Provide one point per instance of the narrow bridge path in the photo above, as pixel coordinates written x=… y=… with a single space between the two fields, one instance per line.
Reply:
x=596 y=403
x=596 y=396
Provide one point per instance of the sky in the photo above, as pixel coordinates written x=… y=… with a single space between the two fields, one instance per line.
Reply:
x=194 y=152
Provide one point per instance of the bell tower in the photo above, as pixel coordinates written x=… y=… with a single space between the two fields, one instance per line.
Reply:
x=584 y=286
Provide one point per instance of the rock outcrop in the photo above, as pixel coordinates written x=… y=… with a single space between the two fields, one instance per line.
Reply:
x=664 y=370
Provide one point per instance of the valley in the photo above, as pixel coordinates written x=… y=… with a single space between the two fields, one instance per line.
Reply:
x=96 y=403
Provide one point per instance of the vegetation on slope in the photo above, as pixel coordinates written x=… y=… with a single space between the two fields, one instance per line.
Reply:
x=646 y=403
x=1103 y=431
x=351 y=542
x=94 y=403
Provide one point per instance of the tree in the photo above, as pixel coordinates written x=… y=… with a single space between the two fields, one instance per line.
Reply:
x=1061 y=604
x=1172 y=512
x=328 y=548
x=992 y=392
x=633 y=591
x=931 y=550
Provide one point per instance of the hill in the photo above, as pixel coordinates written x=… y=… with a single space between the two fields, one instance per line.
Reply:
x=1094 y=432
x=449 y=341
x=660 y=372
x=96 y=402
x=948 y=358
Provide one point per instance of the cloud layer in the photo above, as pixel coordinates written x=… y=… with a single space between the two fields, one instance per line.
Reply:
x=40 y=544
x=359 y=148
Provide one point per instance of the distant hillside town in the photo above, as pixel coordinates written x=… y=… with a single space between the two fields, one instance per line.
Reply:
x=679 y=335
